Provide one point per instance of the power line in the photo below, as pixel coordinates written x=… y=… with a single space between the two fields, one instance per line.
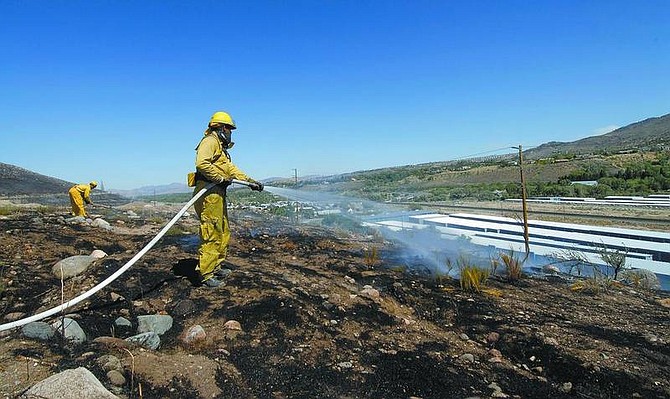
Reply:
x=507 y=148
x=483 y=153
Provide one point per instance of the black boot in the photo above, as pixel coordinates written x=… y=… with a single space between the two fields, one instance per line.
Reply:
x=222 y=273
x=211 y=282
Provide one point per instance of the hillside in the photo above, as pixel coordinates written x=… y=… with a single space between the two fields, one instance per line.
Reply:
x=23 y=186
x=632 y=160
x=307 y=312
x=18 y=181
x=620 y=174
x=649 y=134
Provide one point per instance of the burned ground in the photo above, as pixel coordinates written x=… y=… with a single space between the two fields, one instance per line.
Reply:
x=310 y=329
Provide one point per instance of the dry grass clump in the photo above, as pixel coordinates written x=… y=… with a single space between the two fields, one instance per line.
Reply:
x=513 y=265
x=594 y=285
x=473 y=278
x=635 y=279
x=371 y=257
x=444 y=276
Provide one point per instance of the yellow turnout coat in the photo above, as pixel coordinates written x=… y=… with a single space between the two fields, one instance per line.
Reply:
x=213 y=163
x=79 y=193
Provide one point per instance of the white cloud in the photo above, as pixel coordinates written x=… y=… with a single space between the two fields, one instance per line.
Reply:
x=605 y=129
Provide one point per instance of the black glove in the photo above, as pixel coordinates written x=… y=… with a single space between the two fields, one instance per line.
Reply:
x=256 y=186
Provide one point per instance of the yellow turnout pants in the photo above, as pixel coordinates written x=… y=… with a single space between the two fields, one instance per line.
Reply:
x=77 y=202
x=214 y=230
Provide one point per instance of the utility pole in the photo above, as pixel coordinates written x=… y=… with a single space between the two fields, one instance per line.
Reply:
x=297 y=204
x=524 y=206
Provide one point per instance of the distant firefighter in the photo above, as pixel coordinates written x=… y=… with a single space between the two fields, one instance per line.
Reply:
x=80 y=193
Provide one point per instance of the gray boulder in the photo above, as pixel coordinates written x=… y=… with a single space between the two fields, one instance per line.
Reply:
x=38 y=330
x=73 y=332
x=149 y=340
x=73 y=383
x=72 y=266
x=76 y=220
x=116 y=378
x=122 y=322
x=101 y=223
x=122 y=327
x=158 y=323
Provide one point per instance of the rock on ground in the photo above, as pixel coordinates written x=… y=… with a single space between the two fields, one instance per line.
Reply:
x=72 y=266
x=74 y=383
x=73 y=331
x=158 y=323
x=38 y=330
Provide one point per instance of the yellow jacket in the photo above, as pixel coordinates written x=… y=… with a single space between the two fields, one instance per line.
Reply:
x=85 y=191
x=213 y=162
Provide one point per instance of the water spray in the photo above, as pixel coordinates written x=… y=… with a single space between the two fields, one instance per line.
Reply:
x=427 y=247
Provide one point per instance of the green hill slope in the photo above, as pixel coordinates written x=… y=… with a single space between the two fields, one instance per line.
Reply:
x=632 y=160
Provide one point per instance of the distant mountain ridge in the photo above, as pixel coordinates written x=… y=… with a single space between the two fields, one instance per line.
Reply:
x=651 y=133
x=145 y=191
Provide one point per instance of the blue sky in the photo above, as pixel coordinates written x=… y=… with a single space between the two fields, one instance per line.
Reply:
x=121 y=91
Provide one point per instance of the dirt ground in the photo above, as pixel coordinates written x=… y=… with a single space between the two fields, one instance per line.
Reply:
x=310 y=328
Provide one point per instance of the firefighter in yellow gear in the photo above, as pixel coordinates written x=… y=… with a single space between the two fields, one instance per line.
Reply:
x=80 y=193
x=213 y=164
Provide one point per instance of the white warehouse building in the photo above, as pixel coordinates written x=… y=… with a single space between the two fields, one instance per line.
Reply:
x=645 y=249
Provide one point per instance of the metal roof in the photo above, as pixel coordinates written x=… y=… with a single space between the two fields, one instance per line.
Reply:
x=646 y=249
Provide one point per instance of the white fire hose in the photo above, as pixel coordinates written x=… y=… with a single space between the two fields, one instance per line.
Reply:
x=108 y=280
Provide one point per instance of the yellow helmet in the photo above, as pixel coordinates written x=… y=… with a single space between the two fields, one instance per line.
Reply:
x=93 y=184
x=224 y=118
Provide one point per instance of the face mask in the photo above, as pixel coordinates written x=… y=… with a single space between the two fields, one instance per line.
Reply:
x=226 y=137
